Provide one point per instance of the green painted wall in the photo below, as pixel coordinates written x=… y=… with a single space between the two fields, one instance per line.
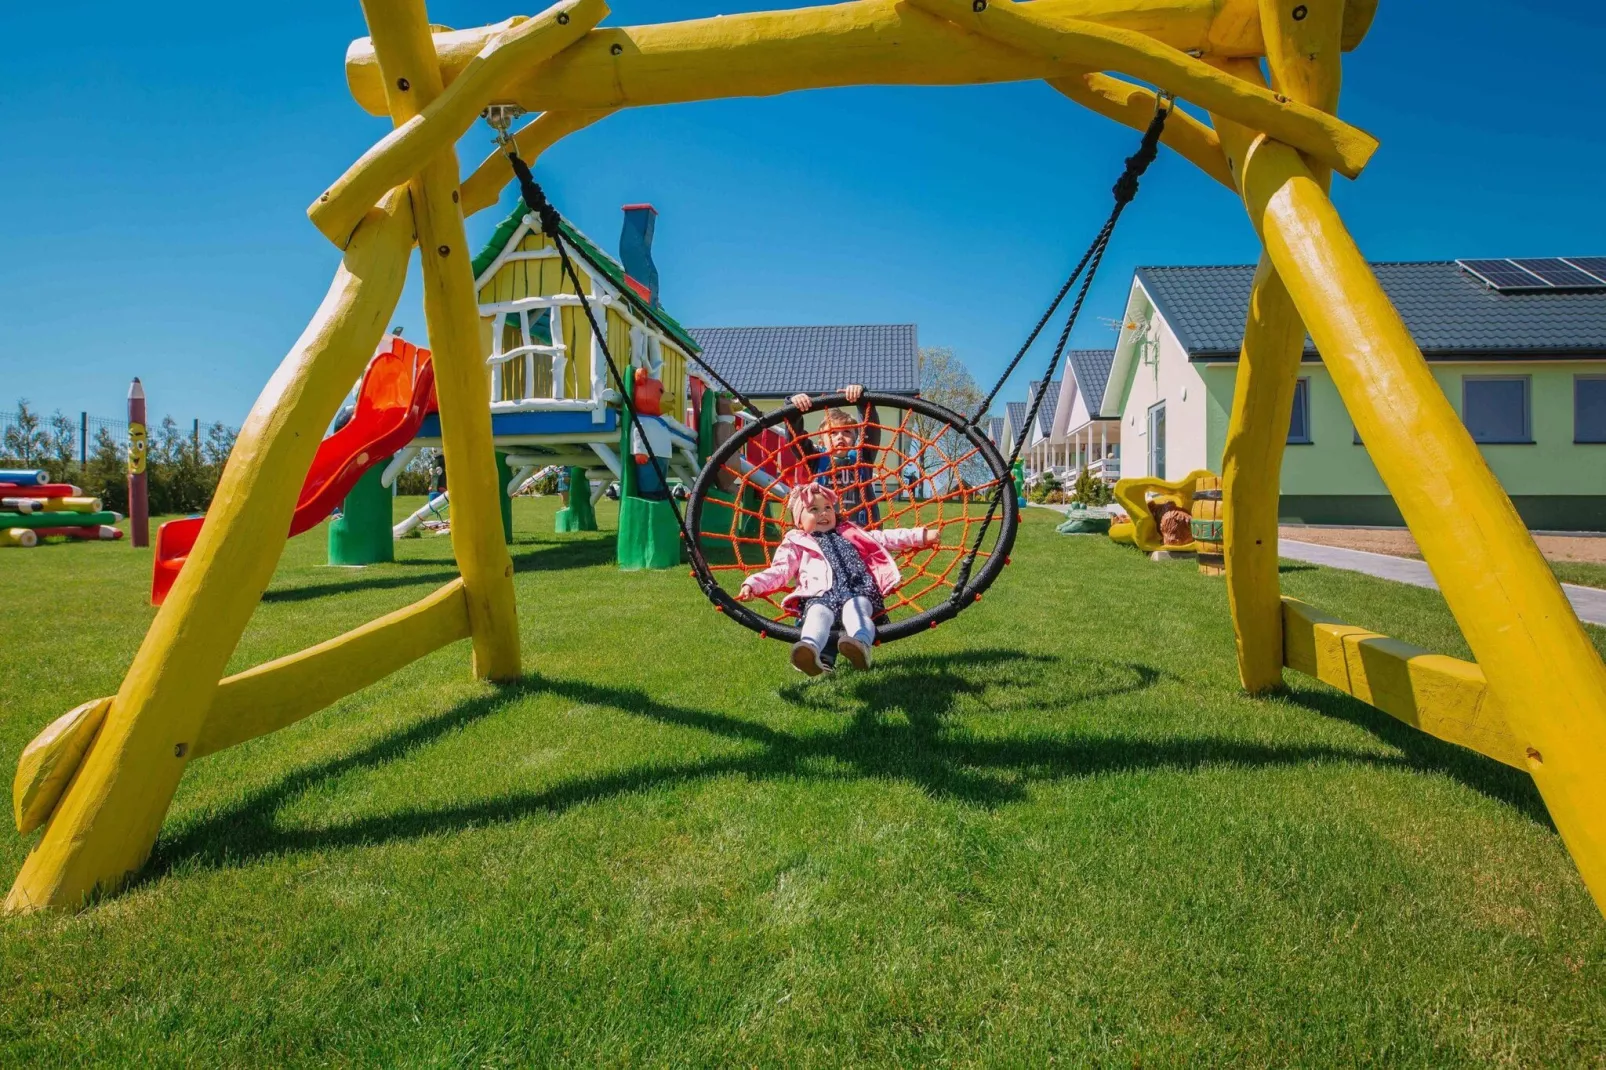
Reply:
x=1333 y=464
x=1556 y=484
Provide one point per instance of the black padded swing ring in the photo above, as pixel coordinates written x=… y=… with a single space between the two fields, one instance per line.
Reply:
x=962 y=486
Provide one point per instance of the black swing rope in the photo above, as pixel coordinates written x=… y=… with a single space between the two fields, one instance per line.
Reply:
x=1125 y=190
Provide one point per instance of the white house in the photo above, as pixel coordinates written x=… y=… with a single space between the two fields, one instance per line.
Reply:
x=1518 y=347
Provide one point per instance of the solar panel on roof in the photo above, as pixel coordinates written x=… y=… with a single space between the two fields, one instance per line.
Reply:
x=1559 y=273
x=1595 y=265
x=1504 y=275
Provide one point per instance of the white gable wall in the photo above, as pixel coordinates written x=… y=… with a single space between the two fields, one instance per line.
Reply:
x=1163 y=375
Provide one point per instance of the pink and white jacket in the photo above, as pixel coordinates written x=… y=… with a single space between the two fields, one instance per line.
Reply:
x=799 y=560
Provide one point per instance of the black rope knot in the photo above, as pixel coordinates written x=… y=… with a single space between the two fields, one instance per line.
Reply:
x=535 y=198
x=1126 y=187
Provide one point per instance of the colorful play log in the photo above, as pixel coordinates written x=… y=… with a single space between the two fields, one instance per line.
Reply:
x=24 y=477
x=40 y=490
x=21 y=505
x=57 y=520
x=70 y=505
x=24 y=537
x=86 y=533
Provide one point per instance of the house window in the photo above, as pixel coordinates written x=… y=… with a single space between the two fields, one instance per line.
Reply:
x=1299 y=419
x=1495 y=408
x=1157 y=440
x=1589 y=408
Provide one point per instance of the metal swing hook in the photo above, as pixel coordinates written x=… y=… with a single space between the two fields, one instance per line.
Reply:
x=501 y=117
x=1165 y=101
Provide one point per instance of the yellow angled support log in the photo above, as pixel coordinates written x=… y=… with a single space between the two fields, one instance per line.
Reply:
x=282 y=692
x=1134 y=106
x=103 y=828
x=257 y=701
x=1443 y=696
x=481 y=189
x=403 y=152
x=1538 y=660
x=1087 y=45
x=1251 y=476
x=1305 y=61
x=880 y=42
x=451 y=309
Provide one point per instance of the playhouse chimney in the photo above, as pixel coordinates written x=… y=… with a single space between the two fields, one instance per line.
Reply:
x=635 y=249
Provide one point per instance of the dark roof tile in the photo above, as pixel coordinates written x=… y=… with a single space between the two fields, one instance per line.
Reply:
x=1450 y=313
x=773 y=362
x=1091 y=367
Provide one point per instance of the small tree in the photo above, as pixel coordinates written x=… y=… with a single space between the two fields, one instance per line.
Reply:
x=1047 y=484
x=106 y=475
x=1090 y=490
x=63 y=446
x=26 y=441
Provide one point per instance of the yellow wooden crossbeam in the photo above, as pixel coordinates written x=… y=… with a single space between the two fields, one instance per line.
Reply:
x=866 y=42
x=1077 y=43
x=403 y=152
x=407 y=56
x=106 y=822
x=1133 y=105
x=255 y=702
x=1443 y=696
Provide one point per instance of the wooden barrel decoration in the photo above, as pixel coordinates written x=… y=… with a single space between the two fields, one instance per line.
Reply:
x=1207 y=514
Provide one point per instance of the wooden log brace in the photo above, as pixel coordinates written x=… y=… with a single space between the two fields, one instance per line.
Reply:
x=451 y=309
x=1133 y=105
x=1075 y=43
x=864 y=42
x=253 y=703
x=403 y=152
x=1445 y=697
x=485 y=185
x=103 y=828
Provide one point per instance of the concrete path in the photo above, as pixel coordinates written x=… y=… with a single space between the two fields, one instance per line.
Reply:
x=1588 y=602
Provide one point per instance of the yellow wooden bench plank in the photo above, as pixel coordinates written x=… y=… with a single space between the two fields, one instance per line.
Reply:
x=1443 y=696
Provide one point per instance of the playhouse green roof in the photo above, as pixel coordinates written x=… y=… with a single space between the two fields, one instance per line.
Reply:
x=597 y=260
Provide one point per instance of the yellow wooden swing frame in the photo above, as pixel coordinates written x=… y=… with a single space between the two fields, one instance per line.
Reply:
x=101 y=778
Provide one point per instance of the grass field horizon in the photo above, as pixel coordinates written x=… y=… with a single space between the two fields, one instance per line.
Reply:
x=1053 y=830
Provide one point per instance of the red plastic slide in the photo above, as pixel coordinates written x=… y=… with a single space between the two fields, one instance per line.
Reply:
x=397 y=392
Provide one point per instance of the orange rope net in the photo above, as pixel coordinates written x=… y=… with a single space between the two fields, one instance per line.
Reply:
x=917 y=472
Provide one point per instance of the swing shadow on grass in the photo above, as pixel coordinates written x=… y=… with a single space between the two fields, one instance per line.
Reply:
x=953 y=765
x=548 y=557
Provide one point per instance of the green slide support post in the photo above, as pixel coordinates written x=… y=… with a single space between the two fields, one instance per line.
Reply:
x=361 y=535
x=578 y=514
x=649 y=537
x=504 y=476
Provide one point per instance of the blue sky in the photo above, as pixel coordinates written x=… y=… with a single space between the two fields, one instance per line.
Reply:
x=158 y=162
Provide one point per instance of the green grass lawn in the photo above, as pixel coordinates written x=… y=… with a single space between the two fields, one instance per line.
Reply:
x=1584 y=573
x=1052 y=830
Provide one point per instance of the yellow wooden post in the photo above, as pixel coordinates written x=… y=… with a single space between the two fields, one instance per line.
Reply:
x=1536 y=656
x=106 y=823
x=1305 y=56
x=1251 y=472
x=401 y=39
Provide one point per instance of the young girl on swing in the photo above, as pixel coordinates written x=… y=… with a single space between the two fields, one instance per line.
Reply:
x=836 y=568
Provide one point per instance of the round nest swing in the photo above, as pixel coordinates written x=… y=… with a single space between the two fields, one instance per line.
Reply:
x=910 y=463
